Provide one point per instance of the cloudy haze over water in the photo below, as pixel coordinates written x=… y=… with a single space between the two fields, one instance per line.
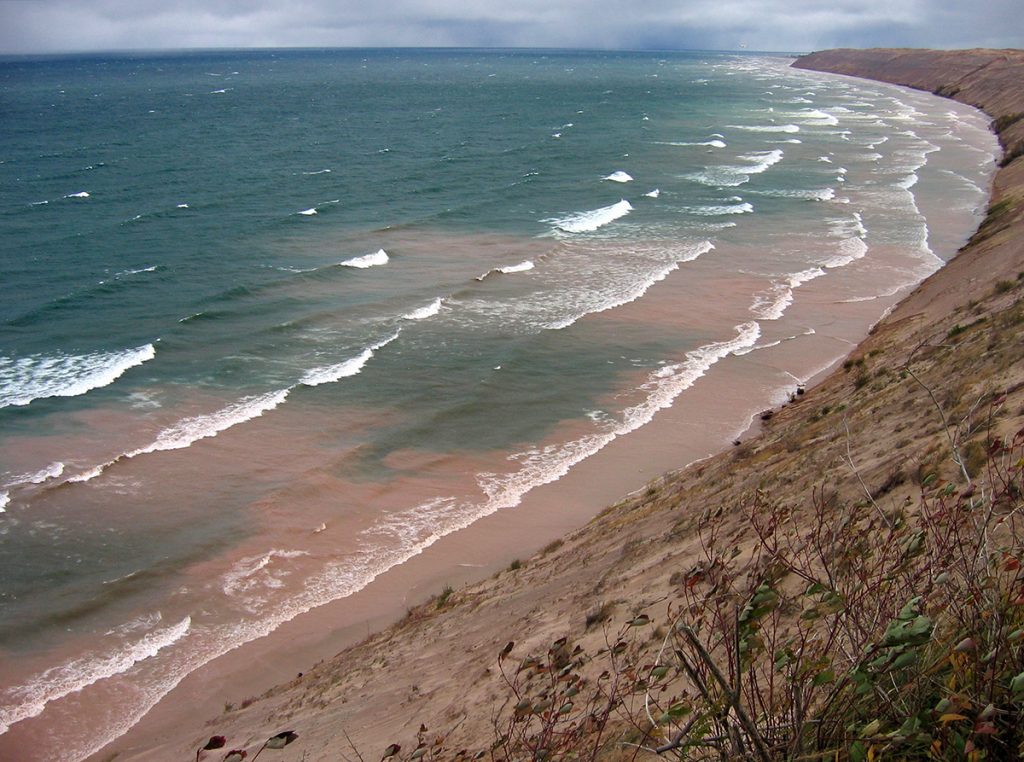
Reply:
x=41 y=26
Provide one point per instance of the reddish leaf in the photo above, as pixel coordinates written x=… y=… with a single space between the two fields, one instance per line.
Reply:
x=215 y=742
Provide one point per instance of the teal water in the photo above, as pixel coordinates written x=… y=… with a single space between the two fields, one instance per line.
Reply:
x=273 y=322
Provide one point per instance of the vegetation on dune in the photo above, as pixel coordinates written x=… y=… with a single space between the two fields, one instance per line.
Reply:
x=850 y=631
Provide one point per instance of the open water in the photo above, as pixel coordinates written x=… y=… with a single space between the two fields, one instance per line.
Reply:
x=271 y=323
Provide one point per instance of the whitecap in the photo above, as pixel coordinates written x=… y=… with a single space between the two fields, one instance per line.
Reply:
x=714 y=143
x=80 y=194
x=772 y=304
x=717 y=210
x=817 y=194
x=653 y=194
x=309 y=212
x=72 y=676
x=619 y=177
x=182 y=206
x=5 y=500
x=328 y=374
x=245 y=573
x=817 y=118
x=766 y=127
x=424 y=312
x=520 y=268
x=540 y=466
x=190 y=430
x=379 y=257
x=60 y=375
x=587 y=222
x=636 y=290
x=508 y=269
x=850 y=250
x=317 y=172
x=51 y=471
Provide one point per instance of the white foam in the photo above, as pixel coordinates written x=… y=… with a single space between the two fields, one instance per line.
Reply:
x=80 y=194
x=123 y=273
x=51 y=471
x=544 y=465
x=5 y=500
x=816 y=118
x=761 y=161
x=772 y=304
x=766 y=127
x=850 y=250
x=637 y=290
x=817 y=194
x=508 y=269
x=328 y=374
x=587 y=222
x=379 y=257
x=317 y=172
x=714 y=143
x=908 y=182
x=619 y=177
x=331 y=373
x=653 y=194
x=30 y=699
x=520 y=268
x=245 y=575
x=41 y=376
x=309 y=212
x=424 y=312
x=714 y=211
x=181 y=206
x=190 y=430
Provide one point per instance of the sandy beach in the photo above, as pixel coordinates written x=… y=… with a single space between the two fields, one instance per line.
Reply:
x=427 y=663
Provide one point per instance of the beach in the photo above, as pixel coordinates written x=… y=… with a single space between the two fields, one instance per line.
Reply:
x=425 y=663
x=771 y=338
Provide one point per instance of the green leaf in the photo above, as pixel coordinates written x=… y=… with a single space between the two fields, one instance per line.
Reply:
x=659 y=672
x=820 y=679
x=857 y=752
x=905 y=659
x=871 y=729
x=640 y=621
x=1017 y=684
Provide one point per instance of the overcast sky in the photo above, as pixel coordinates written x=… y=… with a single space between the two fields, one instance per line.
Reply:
x=30 y=26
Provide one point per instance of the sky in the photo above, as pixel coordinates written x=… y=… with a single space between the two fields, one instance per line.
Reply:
x=47 y=26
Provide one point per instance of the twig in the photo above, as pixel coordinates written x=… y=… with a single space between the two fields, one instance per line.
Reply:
x=734 y=700
x=863 y=486
x=942 y=416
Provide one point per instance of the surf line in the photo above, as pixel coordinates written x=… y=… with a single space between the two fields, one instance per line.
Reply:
x=189 y=430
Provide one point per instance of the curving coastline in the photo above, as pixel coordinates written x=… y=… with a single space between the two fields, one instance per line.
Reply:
x=432 y=667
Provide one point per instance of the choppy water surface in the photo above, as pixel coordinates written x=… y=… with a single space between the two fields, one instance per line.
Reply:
x=272 y=323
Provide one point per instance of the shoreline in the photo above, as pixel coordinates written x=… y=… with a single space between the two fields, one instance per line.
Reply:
x=523 y=527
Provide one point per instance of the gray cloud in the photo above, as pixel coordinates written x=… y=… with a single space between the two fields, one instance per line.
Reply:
x=784 y=25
